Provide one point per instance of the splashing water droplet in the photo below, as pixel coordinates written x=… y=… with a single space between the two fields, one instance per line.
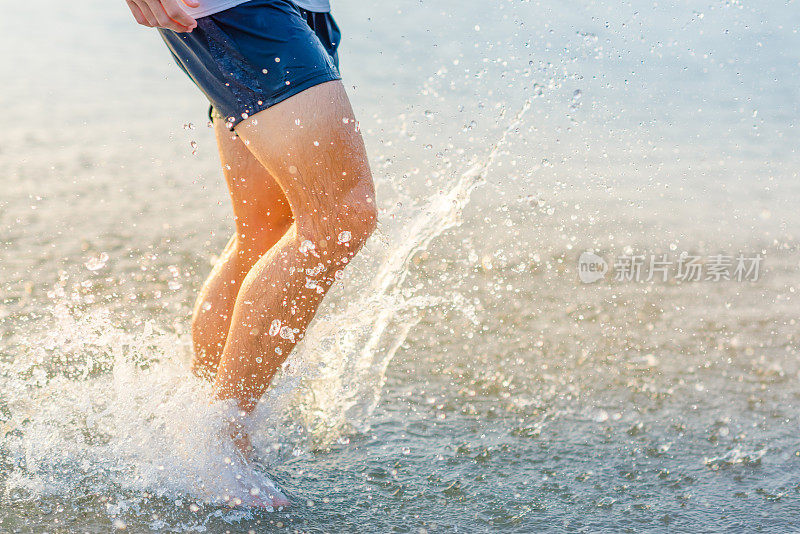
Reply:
x=306 y=247
x=97 y=263
x=576 y=99
x=344 y=237
x=287 y=333
x=275 y=327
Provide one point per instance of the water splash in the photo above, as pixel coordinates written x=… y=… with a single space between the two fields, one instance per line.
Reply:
x=337 y=374
x=93 y=406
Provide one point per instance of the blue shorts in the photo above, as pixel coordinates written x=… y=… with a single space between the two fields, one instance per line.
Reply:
x=254 y=55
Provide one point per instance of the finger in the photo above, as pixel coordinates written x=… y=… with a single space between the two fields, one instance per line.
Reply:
x=137 y=13
x=192 y=3
x=151 y=19
x=162 y=20
x=176 y=14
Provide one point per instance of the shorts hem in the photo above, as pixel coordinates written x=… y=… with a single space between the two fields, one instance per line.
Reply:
x=252 y=108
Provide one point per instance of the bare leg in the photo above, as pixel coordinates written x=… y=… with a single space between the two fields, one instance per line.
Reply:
x=311 y=146
x=262 y=215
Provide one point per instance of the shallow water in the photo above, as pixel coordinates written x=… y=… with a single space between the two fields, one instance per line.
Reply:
x=462 y=378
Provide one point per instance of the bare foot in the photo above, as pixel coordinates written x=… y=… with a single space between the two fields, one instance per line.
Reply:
x=254 y=489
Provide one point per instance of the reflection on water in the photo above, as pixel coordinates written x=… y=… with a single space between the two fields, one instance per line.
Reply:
x=462 y=377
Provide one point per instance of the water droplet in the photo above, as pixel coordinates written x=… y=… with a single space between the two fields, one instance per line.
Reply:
x=576 y=99
x=275 y=327
x=306 y=247
x=287 y=333
x=344 y=236
x=97 y=263
x=601 y=416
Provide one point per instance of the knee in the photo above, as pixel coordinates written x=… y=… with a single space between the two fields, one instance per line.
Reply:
x=357 y=222
x=340 y=229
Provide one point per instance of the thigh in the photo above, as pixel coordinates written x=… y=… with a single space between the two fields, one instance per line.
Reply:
x=312 y=146
x=259 y=203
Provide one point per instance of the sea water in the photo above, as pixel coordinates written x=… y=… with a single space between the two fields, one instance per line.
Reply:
x=461 y=377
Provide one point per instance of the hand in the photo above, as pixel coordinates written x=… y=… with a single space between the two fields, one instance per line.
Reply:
x=163 y=14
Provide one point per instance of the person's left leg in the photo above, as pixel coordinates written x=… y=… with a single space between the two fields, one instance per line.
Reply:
x=262 y=215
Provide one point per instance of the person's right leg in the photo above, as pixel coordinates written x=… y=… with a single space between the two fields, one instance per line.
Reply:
x=262 y=215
